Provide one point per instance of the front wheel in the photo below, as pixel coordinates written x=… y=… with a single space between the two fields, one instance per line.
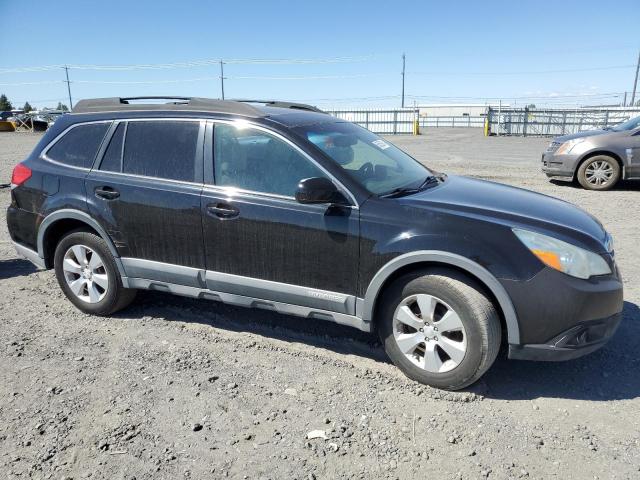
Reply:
x=88 y=275
x=599 y=173
x=439 y=328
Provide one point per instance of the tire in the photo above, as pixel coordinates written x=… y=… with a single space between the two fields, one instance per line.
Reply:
x=442 y=364
x=599 y=173
x=90 y=252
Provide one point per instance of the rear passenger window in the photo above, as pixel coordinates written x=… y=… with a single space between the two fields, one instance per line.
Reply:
x=163 y=149
x=78 y=147
x=112 y=160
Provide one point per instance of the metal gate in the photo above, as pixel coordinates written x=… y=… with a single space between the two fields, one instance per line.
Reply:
x=555 y=122
x=388 y=122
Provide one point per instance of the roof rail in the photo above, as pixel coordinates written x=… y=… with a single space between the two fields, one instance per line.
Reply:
x=110 y=104
x=283 y=104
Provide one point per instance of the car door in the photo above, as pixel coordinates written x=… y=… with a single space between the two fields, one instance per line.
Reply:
x=632 y=152
x=259 y=241
x=145 y=191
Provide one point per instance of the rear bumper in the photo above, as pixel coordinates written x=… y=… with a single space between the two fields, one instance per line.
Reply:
x=575 y=342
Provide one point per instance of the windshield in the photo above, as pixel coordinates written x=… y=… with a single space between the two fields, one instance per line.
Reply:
x=628 y=125
x=374 y=163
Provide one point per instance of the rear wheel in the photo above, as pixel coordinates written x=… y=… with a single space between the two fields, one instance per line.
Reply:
x=439 y=328
x=599 y=173
x=88 y=275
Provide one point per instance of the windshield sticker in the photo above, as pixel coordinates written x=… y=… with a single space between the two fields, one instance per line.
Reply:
x=381 y=144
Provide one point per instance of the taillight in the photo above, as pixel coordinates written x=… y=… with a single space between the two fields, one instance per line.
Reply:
x=21 y=173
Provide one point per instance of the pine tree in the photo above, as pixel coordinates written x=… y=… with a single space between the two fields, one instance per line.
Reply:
x=62 y=106
x=27 y=107
x=5 y=104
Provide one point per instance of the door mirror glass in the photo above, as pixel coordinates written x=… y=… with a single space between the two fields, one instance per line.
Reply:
x=319 y=190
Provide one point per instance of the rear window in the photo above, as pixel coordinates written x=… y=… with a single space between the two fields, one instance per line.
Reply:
x=162 y=149
x=78 y=147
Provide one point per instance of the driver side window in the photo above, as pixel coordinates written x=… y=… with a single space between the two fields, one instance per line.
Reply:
x=253 y=160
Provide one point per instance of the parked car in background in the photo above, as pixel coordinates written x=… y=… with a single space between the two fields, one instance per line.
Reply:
x=285 y=208
x=597 y=159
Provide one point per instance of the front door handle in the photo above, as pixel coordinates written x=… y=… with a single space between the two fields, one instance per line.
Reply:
x=222 y=210
x=108 y=193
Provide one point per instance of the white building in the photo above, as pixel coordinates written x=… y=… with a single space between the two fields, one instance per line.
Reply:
x=457 y=109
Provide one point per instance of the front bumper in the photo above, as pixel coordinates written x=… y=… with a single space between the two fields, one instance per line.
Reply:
x=554 y=165
x=575 y=342
x=564 y=317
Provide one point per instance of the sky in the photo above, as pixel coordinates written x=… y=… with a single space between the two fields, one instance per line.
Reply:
x=328 y=53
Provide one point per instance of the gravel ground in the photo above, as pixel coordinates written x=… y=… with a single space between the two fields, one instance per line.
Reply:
x=178 y=388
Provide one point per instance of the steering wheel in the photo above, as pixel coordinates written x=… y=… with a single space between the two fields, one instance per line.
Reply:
x=366 y=170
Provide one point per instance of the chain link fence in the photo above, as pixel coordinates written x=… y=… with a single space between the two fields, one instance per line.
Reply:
x=554 y=122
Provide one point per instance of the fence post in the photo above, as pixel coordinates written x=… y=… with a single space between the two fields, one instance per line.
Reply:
x=525 y=121
x=366 y=120
x=487 y=122
x=395 y=122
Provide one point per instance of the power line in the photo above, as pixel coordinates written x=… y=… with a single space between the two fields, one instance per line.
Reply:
x=530 y=72
x=193 y=63
x=198 y=79
x=530 y=97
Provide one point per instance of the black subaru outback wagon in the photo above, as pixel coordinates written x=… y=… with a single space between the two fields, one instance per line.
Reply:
x=276 y=205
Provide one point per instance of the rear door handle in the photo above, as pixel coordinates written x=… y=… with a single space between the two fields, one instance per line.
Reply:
x=107 y=193
x=222 y=210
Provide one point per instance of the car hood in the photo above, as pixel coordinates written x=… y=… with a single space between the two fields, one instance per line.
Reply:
x=586 y=133
x=513 y=207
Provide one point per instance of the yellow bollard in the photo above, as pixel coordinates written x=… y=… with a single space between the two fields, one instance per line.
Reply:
x=486 y=127
x=416 y=127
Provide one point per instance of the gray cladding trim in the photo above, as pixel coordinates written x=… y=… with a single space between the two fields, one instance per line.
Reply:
x=163 y=272
x=366 y=309
x=246 y=301
x=29 y=254
x=66 y=213
x=137 y=268
x=281 y=292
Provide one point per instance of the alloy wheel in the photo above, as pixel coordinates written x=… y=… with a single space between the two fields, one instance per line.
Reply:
x=599 y=173
x=85 y=273
x=429 y=333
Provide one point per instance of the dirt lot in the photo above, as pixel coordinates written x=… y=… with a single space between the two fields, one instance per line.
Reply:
x=177 y=388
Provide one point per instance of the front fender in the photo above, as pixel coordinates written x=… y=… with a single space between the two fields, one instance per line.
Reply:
x=444 y=258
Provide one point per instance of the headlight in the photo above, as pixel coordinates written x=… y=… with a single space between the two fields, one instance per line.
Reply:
x=567 y=146
x=563 y=256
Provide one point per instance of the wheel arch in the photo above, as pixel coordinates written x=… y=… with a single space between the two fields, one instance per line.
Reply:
x=64 y=220
x=595 y=153
x=429 y=258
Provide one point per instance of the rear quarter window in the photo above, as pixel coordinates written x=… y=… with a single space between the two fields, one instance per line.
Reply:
x=79 y=146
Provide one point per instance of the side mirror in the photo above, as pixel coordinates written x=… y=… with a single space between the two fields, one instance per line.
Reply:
x=319 y=190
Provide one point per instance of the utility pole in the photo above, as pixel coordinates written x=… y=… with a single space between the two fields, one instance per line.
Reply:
x=222 y=78
x=635 y=83
x=66 y=71
x=624 y=102
x=403 y=65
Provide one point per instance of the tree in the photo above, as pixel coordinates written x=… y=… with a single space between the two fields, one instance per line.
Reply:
x=62 y=106
x=5 y=104
x=27 y=107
